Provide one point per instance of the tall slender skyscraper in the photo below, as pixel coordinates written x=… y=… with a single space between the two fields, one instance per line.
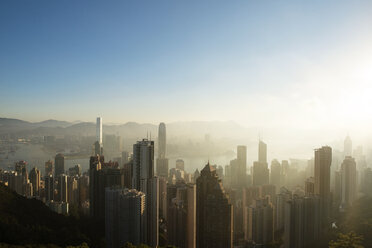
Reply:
x=162 y=161
x=261 y=172
x=262 y=152
x=348 y=146
x=322 y=174
x=35 y=180
x=99 y=130
x=162 y=140
x=214 y=212
x=62 y=188
x=49 y=187
x=242 y=166
x=348 y=182
x=144 y=180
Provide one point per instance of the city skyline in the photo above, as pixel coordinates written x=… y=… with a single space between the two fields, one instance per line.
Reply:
x=185 y=124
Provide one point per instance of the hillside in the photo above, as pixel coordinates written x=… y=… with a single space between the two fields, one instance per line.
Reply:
x=28 y=221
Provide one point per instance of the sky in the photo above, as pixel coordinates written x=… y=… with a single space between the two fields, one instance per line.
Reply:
x=296 y=64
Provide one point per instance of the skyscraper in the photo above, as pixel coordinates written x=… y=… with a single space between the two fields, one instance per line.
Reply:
x=62 y=188
x=102 y=175
x=182 y=216
x=161 y=161
x=261 y=221
x=124 y=216
x=242 y=166
x=59 y=163
x=143 y=162
x=348 y=147
x=214 y=213
x=35 y=180
x=162 y=139
x=309 y=186
x=275 y=173
x=322 y=166
x=98 y=149
x=99 y=130
x=49 y=167
x=261 y=174
x=162 y=167
x=302 y=221
x=281 y=199
x=144 y=180
x=262 y=152
x=348 y=182
x=49 y=187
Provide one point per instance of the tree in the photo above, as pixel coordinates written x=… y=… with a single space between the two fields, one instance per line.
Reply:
x=348 y=240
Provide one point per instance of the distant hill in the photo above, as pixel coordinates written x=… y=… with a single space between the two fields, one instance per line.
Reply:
x=8 y=125
x=28 y=221
x=131 y=130
x=52 y=123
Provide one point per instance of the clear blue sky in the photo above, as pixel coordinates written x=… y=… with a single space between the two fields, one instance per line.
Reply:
x=152 y=61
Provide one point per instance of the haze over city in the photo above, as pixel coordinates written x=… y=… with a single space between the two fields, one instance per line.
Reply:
x=185 y=124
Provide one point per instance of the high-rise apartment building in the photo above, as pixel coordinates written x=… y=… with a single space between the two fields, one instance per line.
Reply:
x=59 y=165
x=281 y=199
x=214 y=213
x=102 y=175
x=145 y=181
x=62 y=188
x=275 y=173
x=302 y=222
x=322 y=178
x=261 y=221
x=34 y=177
x=49 y=167
x=348 y=182
x=49 y=187
x=181 y=217
x=309 y=186
x=124 y=216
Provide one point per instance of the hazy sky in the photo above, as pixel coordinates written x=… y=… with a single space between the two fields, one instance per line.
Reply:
x=260 y=63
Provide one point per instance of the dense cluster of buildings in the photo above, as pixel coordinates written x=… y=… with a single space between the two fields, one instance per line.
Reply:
x=216 y=207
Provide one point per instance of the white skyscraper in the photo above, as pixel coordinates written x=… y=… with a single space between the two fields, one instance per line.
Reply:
x=99 y=130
